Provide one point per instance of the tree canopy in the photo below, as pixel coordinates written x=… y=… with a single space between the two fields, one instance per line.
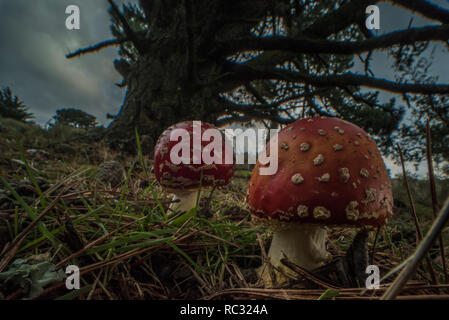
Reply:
x=12 y=107
x=273 y=62
x=74 y=118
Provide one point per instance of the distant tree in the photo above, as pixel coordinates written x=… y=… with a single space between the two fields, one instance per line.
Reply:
x=74 y=118
x=12 y=107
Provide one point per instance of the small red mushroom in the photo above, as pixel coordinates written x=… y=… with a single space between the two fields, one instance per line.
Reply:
x=330 y=172
x=179 y=161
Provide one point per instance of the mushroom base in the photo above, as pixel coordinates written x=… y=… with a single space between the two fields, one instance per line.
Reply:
x=187 y=200
x=303 y=244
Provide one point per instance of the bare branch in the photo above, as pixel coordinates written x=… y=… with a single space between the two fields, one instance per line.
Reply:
x=262 y=107
x=361 y=99
x=310 y=46
x=244 y=74
x=425 y=8
x=349 y=13
x=352 y=12
x=252 y=112
x=233 y=119
x=97 y=47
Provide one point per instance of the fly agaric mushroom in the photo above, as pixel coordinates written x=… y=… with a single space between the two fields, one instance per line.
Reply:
x=330 y=172
x=179 y=165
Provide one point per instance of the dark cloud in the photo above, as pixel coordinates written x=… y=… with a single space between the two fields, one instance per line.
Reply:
x=32 y=59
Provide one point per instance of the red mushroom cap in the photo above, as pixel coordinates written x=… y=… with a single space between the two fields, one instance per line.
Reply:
x=329 y=172
x=187 y=176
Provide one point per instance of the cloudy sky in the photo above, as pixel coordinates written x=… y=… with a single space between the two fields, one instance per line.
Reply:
x=34 y=42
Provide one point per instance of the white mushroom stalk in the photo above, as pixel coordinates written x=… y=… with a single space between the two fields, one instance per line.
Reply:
x=302 y=244
x=183 y=200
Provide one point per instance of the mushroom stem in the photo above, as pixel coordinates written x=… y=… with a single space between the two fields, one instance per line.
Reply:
x=187 y=200
x=303 y=244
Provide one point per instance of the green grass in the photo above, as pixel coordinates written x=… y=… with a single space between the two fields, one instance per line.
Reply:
x=137 y=248
x=120 y=226
x=243 y=173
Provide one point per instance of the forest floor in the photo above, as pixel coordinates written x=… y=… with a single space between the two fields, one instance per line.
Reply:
x=60 y=206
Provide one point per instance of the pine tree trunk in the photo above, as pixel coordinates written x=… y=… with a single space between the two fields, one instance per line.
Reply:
x=174 y=78
x=158 y=96
x=160 y=84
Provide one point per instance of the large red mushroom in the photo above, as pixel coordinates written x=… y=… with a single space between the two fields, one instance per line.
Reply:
x=330 y=172
x=187 y=152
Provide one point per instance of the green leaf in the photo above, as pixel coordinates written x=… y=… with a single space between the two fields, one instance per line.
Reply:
x=183 y=218
x=31 y=278
x=329 y=294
